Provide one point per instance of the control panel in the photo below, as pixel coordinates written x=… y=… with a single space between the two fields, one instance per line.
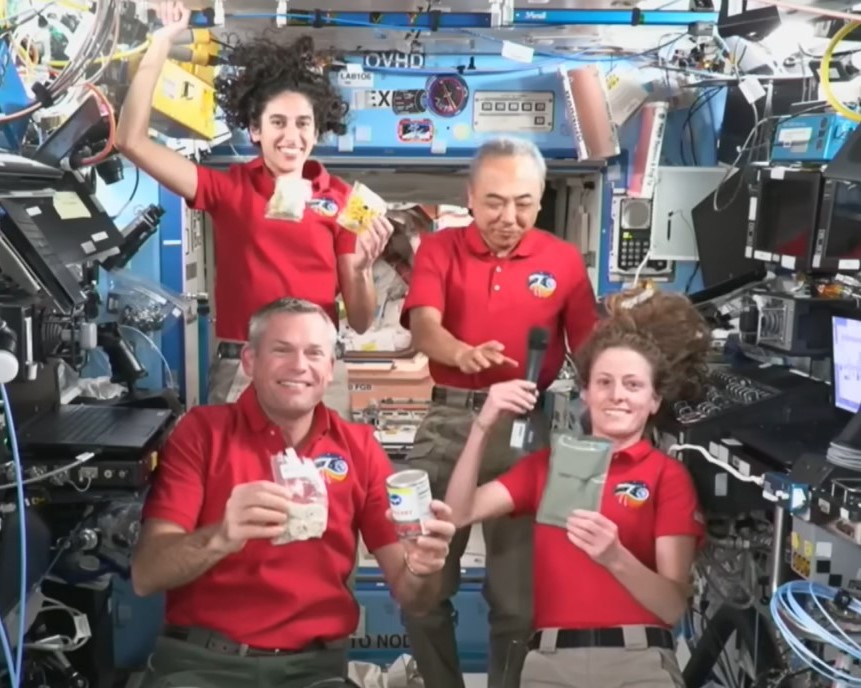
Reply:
x=95 y=473
x=632 y=238
x=813 y=138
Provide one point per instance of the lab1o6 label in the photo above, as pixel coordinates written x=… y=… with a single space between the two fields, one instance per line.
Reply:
x=355 y=79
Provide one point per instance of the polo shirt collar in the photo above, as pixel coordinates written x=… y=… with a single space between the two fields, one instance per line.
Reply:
x=313 y=171
x=636 y=452
x=476 y=244
x=259 y=422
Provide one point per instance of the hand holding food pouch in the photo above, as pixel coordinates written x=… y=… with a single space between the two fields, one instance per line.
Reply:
x=362 y=206
x=308 y=509
x=578 y=471
x=288 y=201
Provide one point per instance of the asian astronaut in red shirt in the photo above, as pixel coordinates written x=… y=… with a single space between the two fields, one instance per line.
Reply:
x=611 y=584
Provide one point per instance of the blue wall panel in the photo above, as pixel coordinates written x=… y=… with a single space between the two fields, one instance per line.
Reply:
x=146 y=263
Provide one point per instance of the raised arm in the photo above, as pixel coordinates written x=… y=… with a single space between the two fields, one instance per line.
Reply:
x=166 y=166
x=472 y=504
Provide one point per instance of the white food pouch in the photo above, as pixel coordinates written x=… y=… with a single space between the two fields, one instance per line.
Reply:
x=363 y=205
x=308 y=507
x=289 y=200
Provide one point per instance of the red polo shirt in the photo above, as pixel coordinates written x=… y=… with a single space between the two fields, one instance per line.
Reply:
x=276 y=597
x=542 y=283
x=258 y=260
x=647 y=495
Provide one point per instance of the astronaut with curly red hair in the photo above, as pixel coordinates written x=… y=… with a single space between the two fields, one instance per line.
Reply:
x=617 y=521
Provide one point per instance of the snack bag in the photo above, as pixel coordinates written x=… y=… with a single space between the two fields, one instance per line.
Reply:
x=288 y=201
x=308 y=511
x=362 y=206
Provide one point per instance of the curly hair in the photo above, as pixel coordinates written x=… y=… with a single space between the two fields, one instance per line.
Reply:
x=260 y=69
x=666 y=329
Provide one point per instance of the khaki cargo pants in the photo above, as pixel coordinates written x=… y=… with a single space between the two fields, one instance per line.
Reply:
x=635 y=665
x=508 y=568
x=227 y=381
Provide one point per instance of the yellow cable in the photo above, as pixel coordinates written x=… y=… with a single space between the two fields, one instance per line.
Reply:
x=825 y=73
x=68 y=3
x=121 y=55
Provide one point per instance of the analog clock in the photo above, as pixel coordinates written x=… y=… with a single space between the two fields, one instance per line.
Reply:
x=448 y=95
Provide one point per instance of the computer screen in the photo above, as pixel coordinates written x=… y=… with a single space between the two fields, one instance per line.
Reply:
x=788 y=209
x=844 y=238
x=846 y=360
x=721 y=238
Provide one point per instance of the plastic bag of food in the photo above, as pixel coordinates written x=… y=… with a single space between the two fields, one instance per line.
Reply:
x=308 y=509
x=289 y=200
x=363 y=205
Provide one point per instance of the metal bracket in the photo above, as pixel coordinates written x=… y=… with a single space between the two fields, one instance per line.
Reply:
x=501 y=13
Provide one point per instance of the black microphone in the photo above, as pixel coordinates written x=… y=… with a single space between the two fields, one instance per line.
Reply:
x=522 y=432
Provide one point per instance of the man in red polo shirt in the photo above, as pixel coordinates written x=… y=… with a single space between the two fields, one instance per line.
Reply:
x=474 y=294
x=233 y=596
x=281 y=99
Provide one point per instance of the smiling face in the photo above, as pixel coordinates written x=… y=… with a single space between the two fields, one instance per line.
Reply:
x=621 y=395
x=291 y=363
x=505 y=198
x=286 y=133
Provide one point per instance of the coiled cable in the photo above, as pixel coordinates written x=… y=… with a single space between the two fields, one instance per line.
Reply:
x=799 y=608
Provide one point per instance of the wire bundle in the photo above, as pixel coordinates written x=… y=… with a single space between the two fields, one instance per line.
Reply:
x=14 y=665
x=793 y=608
x=730 y=573
x=844 y=456
x=97 y=48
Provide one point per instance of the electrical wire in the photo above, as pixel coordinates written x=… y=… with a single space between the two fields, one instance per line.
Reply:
x=586 y=55
x=12 y=434
x=132 y=195
x=97 y=45
x=844 y=456
x=792 y=608
x=825 y=73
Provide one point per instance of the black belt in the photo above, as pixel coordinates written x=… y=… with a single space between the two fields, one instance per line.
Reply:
x=230 y=350
x=605 y=637
x=465 y=398
x=216 y=642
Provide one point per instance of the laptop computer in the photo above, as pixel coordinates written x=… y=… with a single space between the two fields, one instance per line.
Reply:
x=79 y=428
x=814 y=428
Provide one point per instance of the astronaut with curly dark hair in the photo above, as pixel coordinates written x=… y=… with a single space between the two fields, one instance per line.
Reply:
x=286 y=102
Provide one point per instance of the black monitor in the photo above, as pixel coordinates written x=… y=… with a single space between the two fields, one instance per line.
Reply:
x=23 y=236
x=74 y=222
x=837 y=247
x=782 y=216
x=721 y=238
x=69 y=135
